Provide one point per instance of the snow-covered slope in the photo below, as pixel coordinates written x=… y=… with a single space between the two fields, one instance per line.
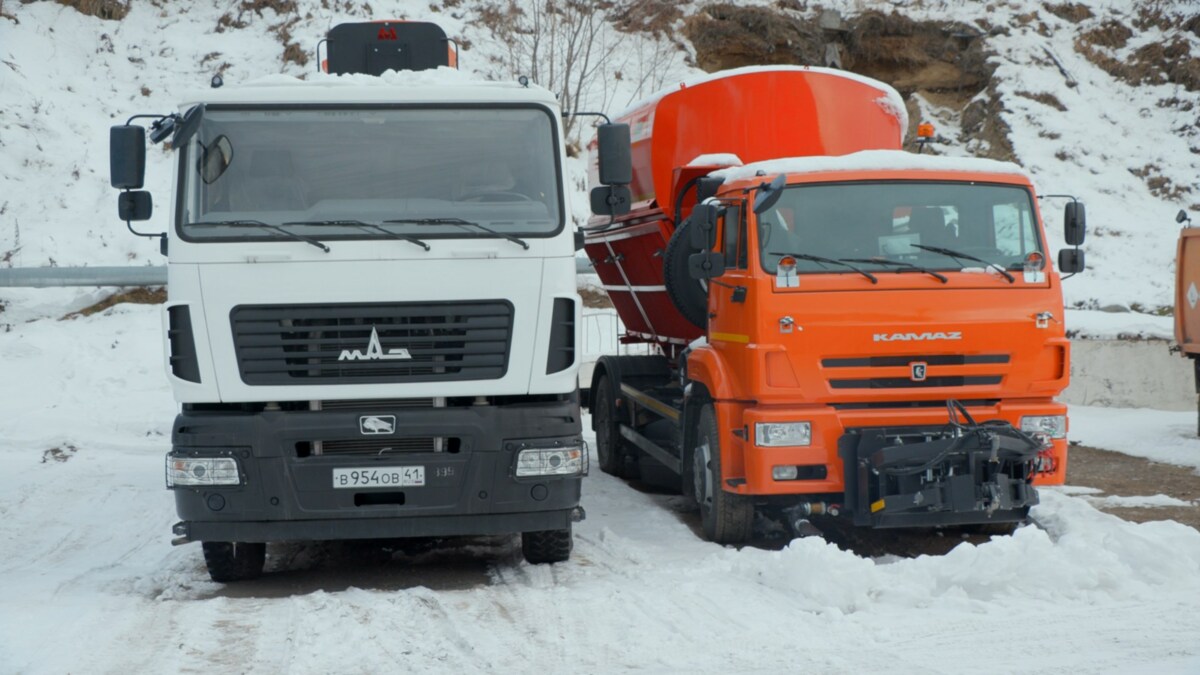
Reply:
x=65 y=77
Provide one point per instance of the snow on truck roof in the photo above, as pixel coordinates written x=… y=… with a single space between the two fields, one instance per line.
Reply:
x=890 y=98
x=868 y=160
x=434 y=85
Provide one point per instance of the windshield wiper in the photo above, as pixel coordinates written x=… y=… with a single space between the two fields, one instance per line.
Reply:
x=904 y=266
x=823 y=261
x=963 y=256
x=261 y=225
x=366 y=227
x=462 y=223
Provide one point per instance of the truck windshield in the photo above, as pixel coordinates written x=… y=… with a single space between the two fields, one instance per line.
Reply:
x=894 y=225
x=323 y=172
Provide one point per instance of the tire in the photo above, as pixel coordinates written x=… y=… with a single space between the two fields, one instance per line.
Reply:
x=687 y=294
x=230 y=561
x=547 y=546
x=727 y=518
x=608 y=432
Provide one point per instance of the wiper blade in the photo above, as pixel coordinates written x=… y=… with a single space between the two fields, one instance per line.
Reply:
x=828 y=261
x=903 y=266
x=462 y=223
x=261 y=225
x=959 y=256
x=366 y=227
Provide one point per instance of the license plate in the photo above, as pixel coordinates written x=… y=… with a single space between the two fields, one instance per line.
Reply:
x=383 y=476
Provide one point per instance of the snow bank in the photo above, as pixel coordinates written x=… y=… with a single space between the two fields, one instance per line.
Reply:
x=1161 y=436
x=1151 y=501
x=1097 y=325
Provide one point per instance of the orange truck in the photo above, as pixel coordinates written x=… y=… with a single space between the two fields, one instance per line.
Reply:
x=834 y=326
x=1187 y=296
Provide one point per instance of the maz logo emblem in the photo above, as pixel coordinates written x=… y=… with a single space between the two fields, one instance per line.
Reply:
x=374 y=351
x=918 y=371
x=374 y=425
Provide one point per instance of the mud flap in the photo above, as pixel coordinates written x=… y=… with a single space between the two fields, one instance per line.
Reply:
x=927 y=478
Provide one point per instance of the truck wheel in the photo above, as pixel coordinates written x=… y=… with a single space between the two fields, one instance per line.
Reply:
x=608 y=430
x=548 y=546
x=727 y=518
x=687 y=294
x=230 y=561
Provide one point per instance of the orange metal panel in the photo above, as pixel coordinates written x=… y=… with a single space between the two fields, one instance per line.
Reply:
x=1187 y=301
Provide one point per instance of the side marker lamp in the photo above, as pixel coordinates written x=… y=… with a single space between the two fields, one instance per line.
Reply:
x=785 y=273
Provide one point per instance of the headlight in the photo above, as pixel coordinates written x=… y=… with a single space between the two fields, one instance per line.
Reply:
x=550 y=462
x=782 y=434
x=202 y=471
x=1054 y=426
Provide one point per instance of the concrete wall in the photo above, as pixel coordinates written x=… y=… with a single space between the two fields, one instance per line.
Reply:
x=1130 y=374
x=1109 y=373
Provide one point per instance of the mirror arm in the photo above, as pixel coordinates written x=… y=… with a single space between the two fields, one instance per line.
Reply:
x=162 y=236
x=129 y=121
x=587 y=114
x=739 y=292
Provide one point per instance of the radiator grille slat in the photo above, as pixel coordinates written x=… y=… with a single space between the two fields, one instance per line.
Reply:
x=946 y=366
x=372 y=343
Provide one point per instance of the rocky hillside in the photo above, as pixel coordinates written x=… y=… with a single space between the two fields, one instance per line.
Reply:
x=1094 y=98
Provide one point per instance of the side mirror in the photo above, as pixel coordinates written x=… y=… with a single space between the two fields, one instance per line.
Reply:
x=1075 y=223
x=127 y=156
x=611 y=200
x=135 y=205
x=769 y=193
x=706 y=265
x=707 y=187
x=702 y=232
x=215 y=159
x=615 y=153
x=1070 y=261
x=1181 y=218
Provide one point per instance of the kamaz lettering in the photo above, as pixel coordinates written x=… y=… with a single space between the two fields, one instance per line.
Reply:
x=917 y=337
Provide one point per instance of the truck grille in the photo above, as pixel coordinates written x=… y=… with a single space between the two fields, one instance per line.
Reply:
x=857 y=371
x=380 y=447
x=372 y=343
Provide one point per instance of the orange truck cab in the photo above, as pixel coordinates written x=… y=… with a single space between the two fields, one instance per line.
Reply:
x=853 y=331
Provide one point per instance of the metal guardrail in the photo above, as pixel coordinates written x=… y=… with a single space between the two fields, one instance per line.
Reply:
x=48 y=277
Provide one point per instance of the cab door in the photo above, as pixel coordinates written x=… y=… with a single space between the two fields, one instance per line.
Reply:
x=729 y=318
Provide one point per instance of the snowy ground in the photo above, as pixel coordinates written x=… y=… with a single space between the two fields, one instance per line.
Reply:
x=89 y=581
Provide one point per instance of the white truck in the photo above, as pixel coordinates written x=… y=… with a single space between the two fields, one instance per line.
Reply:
x=372 y=323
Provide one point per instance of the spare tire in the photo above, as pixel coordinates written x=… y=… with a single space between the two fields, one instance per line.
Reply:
x=690 y=296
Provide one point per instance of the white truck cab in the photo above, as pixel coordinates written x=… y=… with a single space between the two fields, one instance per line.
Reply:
x=372 y=318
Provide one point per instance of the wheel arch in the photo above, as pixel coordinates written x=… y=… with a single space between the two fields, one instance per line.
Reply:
x=705 y=366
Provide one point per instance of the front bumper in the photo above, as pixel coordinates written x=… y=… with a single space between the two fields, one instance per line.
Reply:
x=749 y=466
x=898 y=478
x=287 y=494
